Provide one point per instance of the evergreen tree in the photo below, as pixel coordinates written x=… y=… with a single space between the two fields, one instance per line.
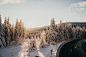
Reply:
x=69 y=31
x=83 y=32
x=16 y=34
x=12 y=33
x=53 y=25
x=8 y=31
x=51 y=33
x=1 y=33
x=60 y=31
x=5 y=31
x=19 y=32
x=74 y=33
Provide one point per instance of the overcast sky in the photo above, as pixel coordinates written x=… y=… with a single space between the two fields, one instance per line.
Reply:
x=36 y=13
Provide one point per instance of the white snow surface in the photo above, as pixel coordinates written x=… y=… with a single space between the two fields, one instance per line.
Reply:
x=22 y=51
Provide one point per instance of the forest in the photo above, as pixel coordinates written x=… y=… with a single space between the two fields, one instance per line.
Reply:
x=52 y=34
x=10 y=32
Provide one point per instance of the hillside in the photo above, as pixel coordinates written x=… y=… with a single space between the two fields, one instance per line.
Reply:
x=37 y=29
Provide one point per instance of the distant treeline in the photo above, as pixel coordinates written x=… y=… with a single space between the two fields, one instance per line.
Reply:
x=59 y=32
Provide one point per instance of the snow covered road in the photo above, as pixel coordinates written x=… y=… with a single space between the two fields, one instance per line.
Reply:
x=22 y=51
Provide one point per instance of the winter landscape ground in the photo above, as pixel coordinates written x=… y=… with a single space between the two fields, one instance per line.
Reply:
x=22 y=51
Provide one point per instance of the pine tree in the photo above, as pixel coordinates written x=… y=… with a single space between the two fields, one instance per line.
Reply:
x=8 y=31
x=69 y=30
x=51 y=32
x=66 y=31
x=1 y=33
x=16 y=34
x=61 y=31
x=5 y=31
x=53 y=25
x=83 y=31
x=19 y=32
x=74 y=34
x=79 y=32
x=12 y=33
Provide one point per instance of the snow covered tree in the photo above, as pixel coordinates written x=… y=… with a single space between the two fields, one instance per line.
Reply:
x=43 y=36
x=60 y=28
x=80 y=32
x=51 y=33
x=8 y=31
x=5 y=32
x=66 y=31
x=43 y=40
x=19 y=32
x=12 y=33
x=74 y=33
x=42 y=44
x=77 y=32
x=1 y=33
x=53 y=25
x=69 y=31
x=22 y=30
x=62 y=33
x=83 y=33
x=32 y=44
x=16 y=33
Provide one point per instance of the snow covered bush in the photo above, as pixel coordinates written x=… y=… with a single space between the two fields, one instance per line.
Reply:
x=43 y=37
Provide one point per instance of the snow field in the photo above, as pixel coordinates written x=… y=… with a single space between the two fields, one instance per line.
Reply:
x=22 y=51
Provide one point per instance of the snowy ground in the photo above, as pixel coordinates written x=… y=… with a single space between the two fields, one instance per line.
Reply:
x=22 y=51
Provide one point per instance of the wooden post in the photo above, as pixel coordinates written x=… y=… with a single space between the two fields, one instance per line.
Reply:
x=12 y=53
x=51 y=52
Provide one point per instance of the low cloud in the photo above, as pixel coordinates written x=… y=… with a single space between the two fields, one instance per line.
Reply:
x=11 y=1
x=80 y=6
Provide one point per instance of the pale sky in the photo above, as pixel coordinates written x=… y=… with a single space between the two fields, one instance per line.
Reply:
x=36 y=13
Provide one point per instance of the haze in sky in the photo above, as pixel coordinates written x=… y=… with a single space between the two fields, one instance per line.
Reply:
x=36 y=13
